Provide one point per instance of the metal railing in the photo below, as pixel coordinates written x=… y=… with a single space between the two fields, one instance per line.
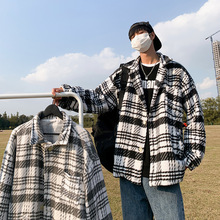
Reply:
x=48 y=95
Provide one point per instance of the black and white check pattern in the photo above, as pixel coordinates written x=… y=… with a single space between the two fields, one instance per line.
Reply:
x=170 y=151
x=44 y=180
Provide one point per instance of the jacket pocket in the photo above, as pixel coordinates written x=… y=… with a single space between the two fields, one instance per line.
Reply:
x=180 y=149
x=71 y=189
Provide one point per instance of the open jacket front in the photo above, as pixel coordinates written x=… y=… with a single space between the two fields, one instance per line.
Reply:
x=170 y=151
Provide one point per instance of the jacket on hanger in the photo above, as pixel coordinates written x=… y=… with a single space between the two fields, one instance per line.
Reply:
x=51 y=170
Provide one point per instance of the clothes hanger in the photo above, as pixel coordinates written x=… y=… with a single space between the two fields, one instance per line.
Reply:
x=51 y=110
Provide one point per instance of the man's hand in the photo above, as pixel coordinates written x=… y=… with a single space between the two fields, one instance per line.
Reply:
x=54 y=91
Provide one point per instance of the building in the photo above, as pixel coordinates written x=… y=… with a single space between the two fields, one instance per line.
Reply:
x=216 y=57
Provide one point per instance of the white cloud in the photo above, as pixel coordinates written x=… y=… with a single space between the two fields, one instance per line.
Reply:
x=190 y=29
x=77 y=68
x=207 y=83
x=183 y=38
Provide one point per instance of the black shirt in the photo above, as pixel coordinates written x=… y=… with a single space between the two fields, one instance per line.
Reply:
x=148 y=86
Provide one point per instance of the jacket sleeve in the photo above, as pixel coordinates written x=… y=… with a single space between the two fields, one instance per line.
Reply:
x=103 y=98
x=194 y=135
x=96 y=199
x=6 y=176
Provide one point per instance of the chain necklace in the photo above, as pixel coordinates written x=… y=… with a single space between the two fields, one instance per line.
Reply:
x=146 y=76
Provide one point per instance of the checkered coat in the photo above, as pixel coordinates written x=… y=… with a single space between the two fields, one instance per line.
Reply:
x=170 y=151
x=41 y=180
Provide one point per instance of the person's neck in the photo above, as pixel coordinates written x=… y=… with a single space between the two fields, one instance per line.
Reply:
x=149 y=57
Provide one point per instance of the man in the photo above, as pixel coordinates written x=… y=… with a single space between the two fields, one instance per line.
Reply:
x=151 y=153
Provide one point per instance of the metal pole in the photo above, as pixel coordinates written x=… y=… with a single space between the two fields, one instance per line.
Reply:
x=26 y=95
x=78 y=98
x=48 y=95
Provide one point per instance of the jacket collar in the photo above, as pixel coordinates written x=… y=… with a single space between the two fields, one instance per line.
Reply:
x=136 y=78
x=37 y=136
x=164 y=60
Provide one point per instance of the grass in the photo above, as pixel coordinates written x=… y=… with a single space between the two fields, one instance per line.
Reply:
x=200 y=188
x=4 y=137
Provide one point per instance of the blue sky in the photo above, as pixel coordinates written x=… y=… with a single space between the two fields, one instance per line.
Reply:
x=45 y=43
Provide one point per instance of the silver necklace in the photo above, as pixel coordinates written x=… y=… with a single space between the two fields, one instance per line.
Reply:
x=146 y=76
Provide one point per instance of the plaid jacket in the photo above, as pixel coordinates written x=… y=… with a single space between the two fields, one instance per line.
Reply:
x=170 y=152
x=41 y=180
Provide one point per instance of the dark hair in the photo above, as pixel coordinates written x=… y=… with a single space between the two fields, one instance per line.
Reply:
x=137 y=29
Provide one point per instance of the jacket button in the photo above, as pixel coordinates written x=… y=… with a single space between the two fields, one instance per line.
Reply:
x=140 y=150
x=50 y=148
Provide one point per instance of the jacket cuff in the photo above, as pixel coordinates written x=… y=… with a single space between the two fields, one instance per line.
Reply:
x=192 y=161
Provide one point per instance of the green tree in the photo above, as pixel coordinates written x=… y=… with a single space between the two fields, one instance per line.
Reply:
x=218 y=104
x=88 y=120
x=14 y=120
x=211 y=110
x=23 y=118
x=4 y=122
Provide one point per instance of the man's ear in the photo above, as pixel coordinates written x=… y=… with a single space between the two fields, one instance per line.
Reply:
x=152 y=35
